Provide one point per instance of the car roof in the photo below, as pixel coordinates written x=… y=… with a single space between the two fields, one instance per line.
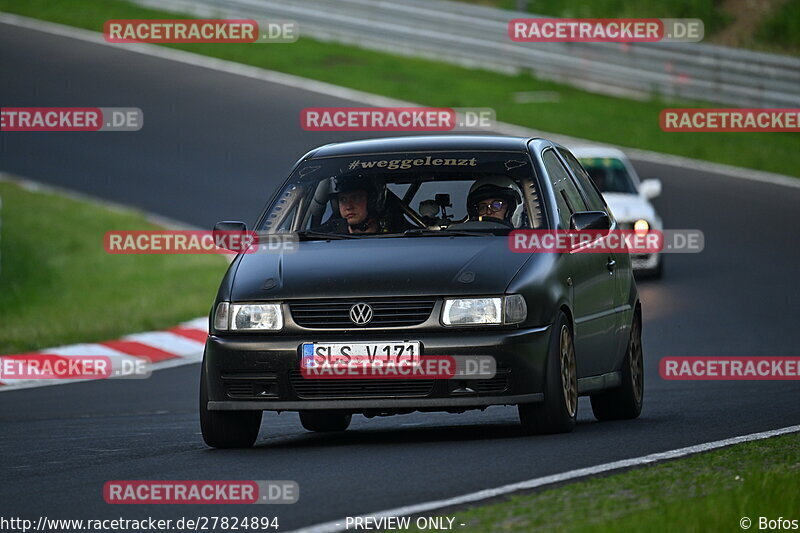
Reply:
x=598 y=151
x=423 y=143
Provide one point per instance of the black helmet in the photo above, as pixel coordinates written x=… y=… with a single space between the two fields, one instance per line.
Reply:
x=500 y=187
x=375 y=189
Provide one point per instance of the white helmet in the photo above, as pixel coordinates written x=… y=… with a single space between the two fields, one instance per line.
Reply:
x=497 y=187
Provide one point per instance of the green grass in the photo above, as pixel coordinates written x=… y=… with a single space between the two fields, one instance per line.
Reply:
x=59 y=286
x=780 y=32
x=707 y=492
x=577 y=113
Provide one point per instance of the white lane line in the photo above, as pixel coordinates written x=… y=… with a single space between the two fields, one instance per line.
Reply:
x=189 y=58
x=339 y=525
x=353 y=95
x=40 y=187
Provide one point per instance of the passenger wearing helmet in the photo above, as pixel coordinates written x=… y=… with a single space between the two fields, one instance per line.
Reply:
x=496 y=199
x=360 y=204
x=353 y=209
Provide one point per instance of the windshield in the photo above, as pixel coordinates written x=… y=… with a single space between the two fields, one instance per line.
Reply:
x=407 y=194
x=609 y=174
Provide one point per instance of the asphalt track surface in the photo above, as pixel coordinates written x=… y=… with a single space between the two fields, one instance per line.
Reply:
x=213 y=147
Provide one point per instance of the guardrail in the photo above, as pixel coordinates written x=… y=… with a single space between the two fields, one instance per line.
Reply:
x=477 y=36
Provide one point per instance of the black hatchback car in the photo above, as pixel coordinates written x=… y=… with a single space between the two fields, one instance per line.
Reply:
x=403 y=244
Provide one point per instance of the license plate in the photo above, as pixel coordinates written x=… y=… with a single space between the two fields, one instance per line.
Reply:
x=343 y=353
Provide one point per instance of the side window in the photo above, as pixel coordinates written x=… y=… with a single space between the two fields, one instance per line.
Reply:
x=286 y=224
x=595 y=201
x=564 y=211
x=568 y=198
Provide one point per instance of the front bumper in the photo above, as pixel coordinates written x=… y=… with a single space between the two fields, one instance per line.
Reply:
x=262 y=372
x=645 y=262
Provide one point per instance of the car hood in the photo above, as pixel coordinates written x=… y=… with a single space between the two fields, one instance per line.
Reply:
x=630 y=207
x=421 y=266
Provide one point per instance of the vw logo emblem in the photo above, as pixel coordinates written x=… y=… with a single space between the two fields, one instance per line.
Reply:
x=361 y=313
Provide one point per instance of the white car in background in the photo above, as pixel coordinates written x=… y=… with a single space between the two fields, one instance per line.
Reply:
x=627 y=196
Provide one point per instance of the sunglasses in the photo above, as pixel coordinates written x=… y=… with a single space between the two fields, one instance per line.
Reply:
x=492 y=207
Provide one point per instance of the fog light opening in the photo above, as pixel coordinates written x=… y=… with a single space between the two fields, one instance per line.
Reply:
x=461 y=387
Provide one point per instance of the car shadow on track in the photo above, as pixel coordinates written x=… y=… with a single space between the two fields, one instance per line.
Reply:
x=409 y=435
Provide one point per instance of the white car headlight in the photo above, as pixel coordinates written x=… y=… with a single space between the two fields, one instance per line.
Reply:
x=480 y=311
x=255 y=317
x=641 y=226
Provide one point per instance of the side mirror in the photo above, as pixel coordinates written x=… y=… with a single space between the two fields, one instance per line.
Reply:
x=650 y=188
x=596 y=220
x=222 y=231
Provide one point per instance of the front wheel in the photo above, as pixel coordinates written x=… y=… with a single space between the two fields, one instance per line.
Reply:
x=325 y=421
x=558 y=411
x=226 y=429
x=625 y=402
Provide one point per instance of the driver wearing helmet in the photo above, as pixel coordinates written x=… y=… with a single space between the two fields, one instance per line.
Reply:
x=361 y=206
x=496 y=199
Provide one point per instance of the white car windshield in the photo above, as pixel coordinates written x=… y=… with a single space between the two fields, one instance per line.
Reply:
x=609 y=174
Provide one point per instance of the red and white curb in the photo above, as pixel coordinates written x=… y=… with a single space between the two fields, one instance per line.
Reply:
x=181 y=345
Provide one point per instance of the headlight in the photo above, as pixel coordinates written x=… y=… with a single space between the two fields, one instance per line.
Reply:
x=516 y=309
x=479 y=311
x=221 y=317
x=251 y=317
x=641 y=226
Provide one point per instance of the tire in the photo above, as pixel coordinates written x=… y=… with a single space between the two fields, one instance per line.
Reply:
x=558 y=411
x=325 y=421
x=226 y=429
x=625 y=402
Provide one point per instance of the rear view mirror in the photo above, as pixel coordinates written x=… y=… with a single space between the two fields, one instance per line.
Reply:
x=650 y=188
x=597 y=220
x=222 y=231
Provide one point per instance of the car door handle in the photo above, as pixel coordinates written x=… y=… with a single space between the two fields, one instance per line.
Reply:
x=611 y=264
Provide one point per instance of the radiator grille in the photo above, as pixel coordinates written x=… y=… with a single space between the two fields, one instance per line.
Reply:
x=359 y=388
x=387 y=312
